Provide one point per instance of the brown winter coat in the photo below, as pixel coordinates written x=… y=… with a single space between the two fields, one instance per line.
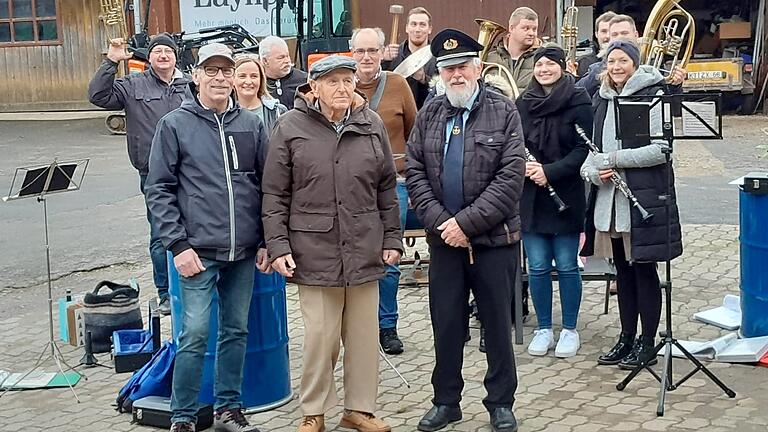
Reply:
x=329 y=199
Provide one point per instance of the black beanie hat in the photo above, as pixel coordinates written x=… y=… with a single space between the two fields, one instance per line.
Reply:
x=163 y=39
x=628 y=47
x=552 y=52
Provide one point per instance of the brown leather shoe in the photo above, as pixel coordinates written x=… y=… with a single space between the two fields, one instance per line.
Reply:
x=312 y=424
x=363 y=422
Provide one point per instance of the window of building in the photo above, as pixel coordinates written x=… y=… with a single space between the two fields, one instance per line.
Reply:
x=29 y=22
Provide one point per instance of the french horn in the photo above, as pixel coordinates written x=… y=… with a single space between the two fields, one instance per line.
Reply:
x=489 y=31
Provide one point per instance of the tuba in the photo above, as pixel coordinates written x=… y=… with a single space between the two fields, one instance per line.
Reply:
x=112 y=14
x=668 y=27
x=489 y=31
x=569 y=33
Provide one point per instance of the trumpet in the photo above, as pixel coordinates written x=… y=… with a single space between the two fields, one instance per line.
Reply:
x=669 y=25
x=619 y=182
x=561 y=206
x=569 y=33
x=112 y=15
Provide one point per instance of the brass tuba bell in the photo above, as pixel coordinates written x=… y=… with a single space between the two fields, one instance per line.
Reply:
x=490 y=31
x=668 y=26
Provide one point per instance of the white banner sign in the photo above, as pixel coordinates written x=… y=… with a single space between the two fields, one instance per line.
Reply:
x=252 y=15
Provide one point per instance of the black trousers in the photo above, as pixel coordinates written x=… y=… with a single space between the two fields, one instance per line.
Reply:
x=639 y=293
x=491 y=278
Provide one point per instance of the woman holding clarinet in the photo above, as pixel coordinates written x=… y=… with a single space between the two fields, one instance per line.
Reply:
x=552 y=205
x=628 y=215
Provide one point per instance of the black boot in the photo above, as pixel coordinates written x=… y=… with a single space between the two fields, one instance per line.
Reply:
x=622 y=349
x=642 y=351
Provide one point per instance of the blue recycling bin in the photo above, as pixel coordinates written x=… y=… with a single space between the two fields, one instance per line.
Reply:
x=266 y=374
x=753 y=237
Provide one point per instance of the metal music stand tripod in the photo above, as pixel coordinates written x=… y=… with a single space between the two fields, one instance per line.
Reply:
x=654 y=117
x=39 y=182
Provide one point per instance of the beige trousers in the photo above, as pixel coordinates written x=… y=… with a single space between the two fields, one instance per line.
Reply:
x=333 y=315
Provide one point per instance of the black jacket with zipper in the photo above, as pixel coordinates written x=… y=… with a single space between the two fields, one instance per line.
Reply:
x=494 y=168
x=144 y=97
x=204 y=183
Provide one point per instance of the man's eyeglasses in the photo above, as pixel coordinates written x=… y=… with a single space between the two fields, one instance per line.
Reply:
x=361 y=52
x=164 y=51
x=212 y=71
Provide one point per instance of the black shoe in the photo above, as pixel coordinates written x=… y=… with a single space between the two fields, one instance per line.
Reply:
x=482 y=339
x=622 y=349
x=165 y=306
x=438 y=417
x=503 y=420
x=183 y=427
x=642 y=351
x=390 y=343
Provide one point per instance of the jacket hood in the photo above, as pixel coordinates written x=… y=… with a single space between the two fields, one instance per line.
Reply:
x=645 y=76
x=270 y=103
x=305 y=100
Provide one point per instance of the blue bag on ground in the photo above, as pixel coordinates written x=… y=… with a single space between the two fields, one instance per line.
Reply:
x=154 y=379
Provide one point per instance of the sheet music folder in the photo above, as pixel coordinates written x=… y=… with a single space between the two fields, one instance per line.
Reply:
x=41 y=180
x=35 y=179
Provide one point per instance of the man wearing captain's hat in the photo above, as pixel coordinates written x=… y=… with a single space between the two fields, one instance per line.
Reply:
x=465 y=170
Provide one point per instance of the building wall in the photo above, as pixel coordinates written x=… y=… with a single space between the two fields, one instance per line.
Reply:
x=459 y=14
x=47 y=78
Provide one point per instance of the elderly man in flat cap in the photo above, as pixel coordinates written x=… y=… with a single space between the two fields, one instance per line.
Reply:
x=332 y=222
x=146 y=98
x=465 y=169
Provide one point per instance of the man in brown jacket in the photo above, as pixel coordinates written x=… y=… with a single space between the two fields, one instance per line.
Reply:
x=330 y=217
x=465 y=171
x=389 y=95
x=515 y=51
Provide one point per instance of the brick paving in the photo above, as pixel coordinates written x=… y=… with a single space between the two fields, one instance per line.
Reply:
x=554 y=394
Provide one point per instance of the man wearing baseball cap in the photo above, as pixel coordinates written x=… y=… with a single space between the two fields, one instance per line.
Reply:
x=204 y=193
x=146 y=98
x=464 y=171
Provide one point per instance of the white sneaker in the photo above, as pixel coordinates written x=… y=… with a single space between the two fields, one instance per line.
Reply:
x=543 y=341
x=568 y=344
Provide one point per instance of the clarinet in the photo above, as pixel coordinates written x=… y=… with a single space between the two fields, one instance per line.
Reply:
x=619 y=182
x=561 y=206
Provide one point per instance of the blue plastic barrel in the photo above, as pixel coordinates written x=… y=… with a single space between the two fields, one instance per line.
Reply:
x=266 y=374
x=753 y=219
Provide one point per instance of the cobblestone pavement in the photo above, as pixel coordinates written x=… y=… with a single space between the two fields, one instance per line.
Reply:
x=554 y=395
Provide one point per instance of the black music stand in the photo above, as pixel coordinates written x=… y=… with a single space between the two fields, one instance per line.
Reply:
x=39 y=182
x=669 y=117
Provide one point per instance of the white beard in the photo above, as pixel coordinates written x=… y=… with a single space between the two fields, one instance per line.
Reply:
x=460 y=98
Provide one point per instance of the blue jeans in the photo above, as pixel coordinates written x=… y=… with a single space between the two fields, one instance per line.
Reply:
x=389 y=283
x=233 y=282
x=541 y=249
x=156 y=252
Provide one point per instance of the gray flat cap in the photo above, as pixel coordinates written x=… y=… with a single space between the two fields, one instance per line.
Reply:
x=329 y=64
x=211 y=50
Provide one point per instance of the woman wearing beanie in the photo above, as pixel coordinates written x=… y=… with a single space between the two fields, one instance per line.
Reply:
x=634 y=245
x=251 y=91
x=549 y=108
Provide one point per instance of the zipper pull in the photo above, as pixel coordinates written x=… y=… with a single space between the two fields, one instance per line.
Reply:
x=235 y=163
x=471 y=255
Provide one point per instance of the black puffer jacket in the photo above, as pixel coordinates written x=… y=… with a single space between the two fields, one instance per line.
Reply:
x=648 y=239
x=494 y=168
